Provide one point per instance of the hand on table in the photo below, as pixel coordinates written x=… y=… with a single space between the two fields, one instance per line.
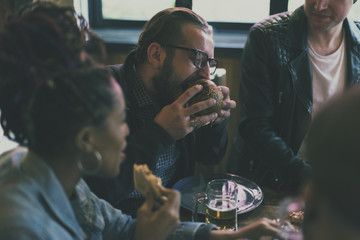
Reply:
x=154 y=221
x=264 y=227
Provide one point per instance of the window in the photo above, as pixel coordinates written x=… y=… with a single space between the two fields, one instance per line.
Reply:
x=212 y=10
x=232 y=10
x=135 y=10
x=238 y=14
x=119 y=22
x=225 y=13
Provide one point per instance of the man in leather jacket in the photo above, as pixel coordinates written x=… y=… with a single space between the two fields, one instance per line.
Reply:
x=176 y=46
x=291 y=64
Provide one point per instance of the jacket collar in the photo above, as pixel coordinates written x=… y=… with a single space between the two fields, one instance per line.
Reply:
x=352 y=33
x=299 y=66
x=52 y=192
x=299 y=39
x=297 y=30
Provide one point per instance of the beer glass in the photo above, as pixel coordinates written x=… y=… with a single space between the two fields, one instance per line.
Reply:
x=220 y=201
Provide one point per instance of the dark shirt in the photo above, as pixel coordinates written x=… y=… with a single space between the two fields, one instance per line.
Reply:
x=148 y=143
x=165 y=166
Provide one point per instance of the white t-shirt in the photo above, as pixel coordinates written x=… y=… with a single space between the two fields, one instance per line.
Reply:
x=5 y=143
x=329 y=74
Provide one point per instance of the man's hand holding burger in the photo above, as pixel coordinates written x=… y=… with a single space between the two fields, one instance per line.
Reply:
x=201 y=103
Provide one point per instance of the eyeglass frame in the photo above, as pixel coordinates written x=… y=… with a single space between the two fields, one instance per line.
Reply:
x=197 y=51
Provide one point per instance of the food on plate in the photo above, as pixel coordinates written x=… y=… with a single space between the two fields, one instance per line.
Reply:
x=296 y=217
x=144 y=179
x=210 y=90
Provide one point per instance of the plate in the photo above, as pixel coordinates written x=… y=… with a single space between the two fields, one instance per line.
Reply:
x=250 y=195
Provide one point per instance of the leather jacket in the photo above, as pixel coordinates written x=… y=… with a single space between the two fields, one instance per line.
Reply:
x=276 y=98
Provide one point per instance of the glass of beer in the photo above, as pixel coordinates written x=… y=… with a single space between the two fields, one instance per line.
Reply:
x=220 y=201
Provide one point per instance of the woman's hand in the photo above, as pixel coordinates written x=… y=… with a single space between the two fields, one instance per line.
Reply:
x=264 y=227
x=156 y=221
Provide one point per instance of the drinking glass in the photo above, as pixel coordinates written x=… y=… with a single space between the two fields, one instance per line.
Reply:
x=220 y=201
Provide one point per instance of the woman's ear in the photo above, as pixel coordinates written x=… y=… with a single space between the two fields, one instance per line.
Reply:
x=156 y=55
x=84 y=139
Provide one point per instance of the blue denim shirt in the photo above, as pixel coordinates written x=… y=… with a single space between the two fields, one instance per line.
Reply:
x=33 y=205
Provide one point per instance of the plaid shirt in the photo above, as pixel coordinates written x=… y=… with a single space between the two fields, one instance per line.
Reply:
x=165 y=165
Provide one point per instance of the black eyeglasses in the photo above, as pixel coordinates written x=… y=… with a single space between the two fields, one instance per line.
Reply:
x=200 y=59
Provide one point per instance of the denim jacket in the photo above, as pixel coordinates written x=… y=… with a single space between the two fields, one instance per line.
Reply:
x=33 y=205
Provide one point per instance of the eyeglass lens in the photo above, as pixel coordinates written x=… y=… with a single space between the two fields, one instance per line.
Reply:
x=201 y=59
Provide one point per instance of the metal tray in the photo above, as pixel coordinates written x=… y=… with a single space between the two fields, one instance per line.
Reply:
x=250 y=195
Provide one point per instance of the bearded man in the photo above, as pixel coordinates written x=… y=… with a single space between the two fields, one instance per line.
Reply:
x=175 y=48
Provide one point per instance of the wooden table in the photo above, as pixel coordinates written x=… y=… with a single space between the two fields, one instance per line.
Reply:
x=268 y=208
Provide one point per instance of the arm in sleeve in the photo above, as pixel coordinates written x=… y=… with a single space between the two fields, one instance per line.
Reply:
x=117 y=224
x=257 y=111
x=192 y=231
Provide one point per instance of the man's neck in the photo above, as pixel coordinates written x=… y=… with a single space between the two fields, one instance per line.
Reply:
x=326 y=42
x=144 y=74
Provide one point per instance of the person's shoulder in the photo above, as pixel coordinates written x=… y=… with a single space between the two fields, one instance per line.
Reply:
x=18 y=193
x=273 y=22
x=23 y=214
x=121 y=69
x=116 y=69
x=282 y=22
x=19 y=218
x=10 y=162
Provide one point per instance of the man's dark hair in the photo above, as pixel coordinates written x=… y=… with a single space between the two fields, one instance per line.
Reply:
x=166 y=28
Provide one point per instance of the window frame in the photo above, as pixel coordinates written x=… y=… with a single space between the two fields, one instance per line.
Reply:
x=97 y=21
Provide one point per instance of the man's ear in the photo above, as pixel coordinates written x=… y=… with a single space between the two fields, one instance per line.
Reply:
x=156 y=55
x=84 y=139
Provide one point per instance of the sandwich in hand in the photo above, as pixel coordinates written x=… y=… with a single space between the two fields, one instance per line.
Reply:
x=209 y=91
x=144 y=179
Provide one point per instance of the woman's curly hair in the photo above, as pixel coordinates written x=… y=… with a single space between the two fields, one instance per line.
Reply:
x=44 y=74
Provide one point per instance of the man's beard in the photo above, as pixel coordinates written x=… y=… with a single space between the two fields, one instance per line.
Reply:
x=166 y=85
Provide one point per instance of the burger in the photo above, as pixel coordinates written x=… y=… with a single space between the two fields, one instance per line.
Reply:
x=209 y=90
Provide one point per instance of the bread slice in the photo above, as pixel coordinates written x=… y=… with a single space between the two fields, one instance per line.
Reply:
x=144 y=179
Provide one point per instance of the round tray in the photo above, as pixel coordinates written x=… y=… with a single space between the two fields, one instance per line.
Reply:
x=250 y=195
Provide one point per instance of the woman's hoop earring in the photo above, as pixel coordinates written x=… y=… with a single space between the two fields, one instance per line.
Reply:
x=91 y=171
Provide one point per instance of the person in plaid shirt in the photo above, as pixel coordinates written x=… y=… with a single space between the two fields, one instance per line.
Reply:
x=175 y=47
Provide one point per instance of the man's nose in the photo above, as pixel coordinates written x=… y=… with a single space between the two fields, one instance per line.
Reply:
x=204 y=72
x=320 y=5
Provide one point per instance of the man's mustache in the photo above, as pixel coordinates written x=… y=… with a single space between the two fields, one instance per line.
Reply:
x=189 y=80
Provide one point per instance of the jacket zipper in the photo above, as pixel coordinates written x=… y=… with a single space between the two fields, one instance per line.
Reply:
x=280 y=97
